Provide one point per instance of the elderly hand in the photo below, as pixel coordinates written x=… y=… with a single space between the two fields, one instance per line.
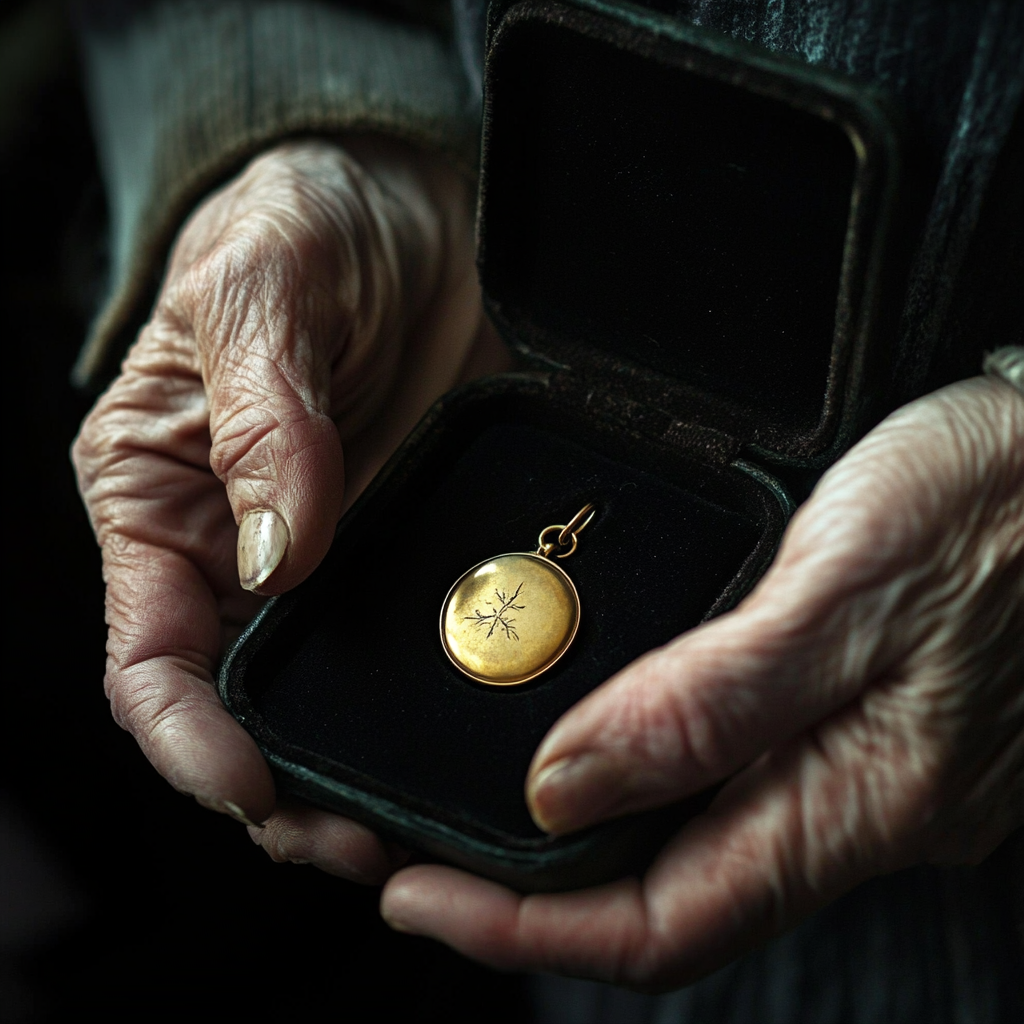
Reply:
x=865 y=704
x=315 y=306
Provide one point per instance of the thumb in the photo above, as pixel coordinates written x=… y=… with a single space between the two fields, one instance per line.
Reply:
x=875 y=584
x=267 y=352
x=276 y=449
x=287 y=519
x=287 y=279
x=678 y=720
x=683 y=717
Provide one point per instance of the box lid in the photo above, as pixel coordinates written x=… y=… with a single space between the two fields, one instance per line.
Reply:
x=686 y=218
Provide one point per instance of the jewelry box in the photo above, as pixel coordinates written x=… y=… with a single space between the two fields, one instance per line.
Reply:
x=685 y=241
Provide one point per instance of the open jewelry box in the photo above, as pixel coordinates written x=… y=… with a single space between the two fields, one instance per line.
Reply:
x=683 y=238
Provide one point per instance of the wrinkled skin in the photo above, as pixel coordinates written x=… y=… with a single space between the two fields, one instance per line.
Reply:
x=865 y=703
x=311 y=312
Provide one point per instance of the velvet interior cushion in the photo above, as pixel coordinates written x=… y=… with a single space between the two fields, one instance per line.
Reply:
x=668 y=219
x=355 y=678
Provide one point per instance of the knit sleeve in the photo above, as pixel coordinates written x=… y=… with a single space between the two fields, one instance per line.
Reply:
x=182 y=94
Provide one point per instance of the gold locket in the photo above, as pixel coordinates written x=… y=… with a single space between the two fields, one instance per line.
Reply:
x=511 y=617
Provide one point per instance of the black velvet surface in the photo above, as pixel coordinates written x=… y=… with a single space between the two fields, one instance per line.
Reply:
x=353 y=681
x=677 y=222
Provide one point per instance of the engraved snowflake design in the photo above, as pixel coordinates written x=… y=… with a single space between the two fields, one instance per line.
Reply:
x=499 y=618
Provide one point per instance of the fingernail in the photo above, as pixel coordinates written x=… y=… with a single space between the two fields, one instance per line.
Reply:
x=237 y=813
x=232 y=810
x=573 y=792
x=262 y=542
x=395 y=924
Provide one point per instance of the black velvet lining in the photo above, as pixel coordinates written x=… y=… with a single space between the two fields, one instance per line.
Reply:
x=668 y=219
x=352 y=681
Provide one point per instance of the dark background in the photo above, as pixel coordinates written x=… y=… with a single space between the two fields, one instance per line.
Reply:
x=119 y=896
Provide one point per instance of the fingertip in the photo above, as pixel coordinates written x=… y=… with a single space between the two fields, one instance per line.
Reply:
x=573 y=792
x=238 y=813
x=300 y=834
x=287 y=494
x=399 y=904
x=443 y=903
x=396 y=925
x=204 y=752
x=239 y=786
x=231 y=809
x=402 y=898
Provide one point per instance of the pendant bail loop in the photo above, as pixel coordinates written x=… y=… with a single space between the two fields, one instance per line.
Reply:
x=568 y=536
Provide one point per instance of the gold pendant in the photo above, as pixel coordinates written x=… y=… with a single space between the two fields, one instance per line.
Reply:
x=513 y=616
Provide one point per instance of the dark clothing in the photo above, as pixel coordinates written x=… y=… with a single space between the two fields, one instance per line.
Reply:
x=183 y=94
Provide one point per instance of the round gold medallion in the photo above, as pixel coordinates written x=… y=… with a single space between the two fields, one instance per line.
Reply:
x=510 y=618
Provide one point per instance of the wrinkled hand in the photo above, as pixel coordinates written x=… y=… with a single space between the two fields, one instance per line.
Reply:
x=316 y=305
x=865 y=702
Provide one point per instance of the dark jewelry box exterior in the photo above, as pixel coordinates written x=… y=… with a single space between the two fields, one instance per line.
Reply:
x=685 y=240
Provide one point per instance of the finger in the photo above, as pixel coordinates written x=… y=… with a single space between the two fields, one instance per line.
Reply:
x=162 y=648
x=164 y=525
x=869 y=578
x=841 y=606
x=299 y=834
x=786 y=836
x=690 y=714
x=488 y=922
x=860 y=795
x=274 y=444
x=304 y=278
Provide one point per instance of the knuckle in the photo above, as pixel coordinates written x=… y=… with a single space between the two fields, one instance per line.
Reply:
x=871 y=795
x=126 y=444
x=693 y=729
x=700 y=732
x=239 y=434
x=100 y=433
x=647 y=963
x=156 y=714
x=644 y=956
x=257 y=436
x=265 y=327
x=272 y=253
x=212 y=290
x=83 y=459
